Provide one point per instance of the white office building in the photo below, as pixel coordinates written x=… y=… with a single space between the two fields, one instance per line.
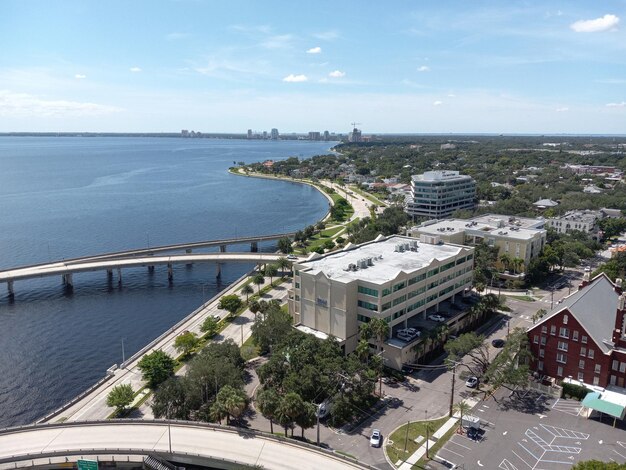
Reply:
x=399 y=279
x=437 y=194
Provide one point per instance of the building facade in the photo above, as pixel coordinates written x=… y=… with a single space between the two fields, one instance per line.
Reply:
x=584 y=338
x=437 y=194
x=393 y=278
x=584 y=221
x=517 y=237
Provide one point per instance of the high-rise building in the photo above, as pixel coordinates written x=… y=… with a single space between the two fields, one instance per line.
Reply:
x=326 y=135
x=314 y=135
x=264 y=135
x=355 y=135
x=274 y=134
x=437 y=194
x=249 y=133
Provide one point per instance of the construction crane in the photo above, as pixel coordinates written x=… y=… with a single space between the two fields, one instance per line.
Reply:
x=354 y=124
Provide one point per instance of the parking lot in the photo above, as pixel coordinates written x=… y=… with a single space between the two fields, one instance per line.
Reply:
x=533 y=432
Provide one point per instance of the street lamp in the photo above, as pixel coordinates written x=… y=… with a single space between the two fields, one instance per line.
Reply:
x=426 y=425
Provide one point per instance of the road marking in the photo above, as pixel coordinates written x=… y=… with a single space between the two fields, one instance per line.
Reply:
x=517 y=455
x=506 y=465
x=451 y=451
x=480 y=464
x=622 y=456
x=505 y=433
x=460 y=445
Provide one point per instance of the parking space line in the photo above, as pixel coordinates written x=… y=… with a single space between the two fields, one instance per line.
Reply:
x=624 y=457
x=506 y=465
x=534 y=456
x=460 y=445
x=517 y=455
x=451 y=451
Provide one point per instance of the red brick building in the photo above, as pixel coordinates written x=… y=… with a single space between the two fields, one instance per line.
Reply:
x=584 y=337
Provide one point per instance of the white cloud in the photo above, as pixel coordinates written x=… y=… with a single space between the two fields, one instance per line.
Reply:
x=451 y=95
x=621 y=104
x=437 y=103
x=314 y=50
x=80 y=76
x=135 y=69
x=562 y=109
x=291 y=78
x=424 y=68
x=327 y=35
x=282 y=41
x=606 y=23
x=337 y=74
x=23 y=104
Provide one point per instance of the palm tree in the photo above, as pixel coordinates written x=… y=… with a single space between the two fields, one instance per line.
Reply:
x=271 y=270
x=258 y=279
x=380 y=330
x=307 y=418
x=283 y=264
x=247 y=289
x=517 y=263
x=505 y=260
x=462 y=408
x=267 y=400
x=290 y=407
x=229 y=402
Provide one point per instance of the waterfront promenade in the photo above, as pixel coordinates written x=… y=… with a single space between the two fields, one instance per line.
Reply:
x=92 y=406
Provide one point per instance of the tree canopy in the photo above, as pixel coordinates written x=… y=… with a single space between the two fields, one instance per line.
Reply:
x=156 y=367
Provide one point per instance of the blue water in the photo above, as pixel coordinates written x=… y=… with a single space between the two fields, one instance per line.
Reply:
x=69 y=196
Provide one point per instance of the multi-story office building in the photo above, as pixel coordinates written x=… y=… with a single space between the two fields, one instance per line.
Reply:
x=326 y=135
x=437 y=194
x=398 y=279
x=249 y=135
x=355 y=135
x=584 y=221
x=274 y=134
x=517 y=237
x=314 y=135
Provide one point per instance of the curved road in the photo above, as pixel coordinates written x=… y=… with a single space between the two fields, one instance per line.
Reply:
x=157 y=437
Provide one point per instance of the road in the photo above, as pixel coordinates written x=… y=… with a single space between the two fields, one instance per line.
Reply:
x=184 y=439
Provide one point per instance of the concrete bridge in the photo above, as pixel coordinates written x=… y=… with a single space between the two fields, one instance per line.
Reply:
x=142 y=257
x=66 y=269
x=186 y=442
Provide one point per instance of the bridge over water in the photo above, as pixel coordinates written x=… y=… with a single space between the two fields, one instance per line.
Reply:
x=186 y=442
x=147 y=257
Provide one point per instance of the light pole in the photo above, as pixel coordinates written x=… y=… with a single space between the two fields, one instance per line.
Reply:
x=169 y=434
x=426 y=425
x=452 y=391
x=123 y=353
x=406 y=435
x=552 y=298
x=317 y=416
x=148 y=239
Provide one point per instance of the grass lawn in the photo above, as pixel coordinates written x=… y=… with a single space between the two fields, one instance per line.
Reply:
x=249 y=350
x=368 y=196
x=395 y=450
x=432 y=451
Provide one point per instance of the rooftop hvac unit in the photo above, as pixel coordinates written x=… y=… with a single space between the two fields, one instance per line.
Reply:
x=370 y=262
x=363 y=263
x=352 y=267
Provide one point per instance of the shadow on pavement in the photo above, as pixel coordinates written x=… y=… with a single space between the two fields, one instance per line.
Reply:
x=529 y=402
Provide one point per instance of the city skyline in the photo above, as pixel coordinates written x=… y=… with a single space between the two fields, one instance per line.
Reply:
x=557 y=67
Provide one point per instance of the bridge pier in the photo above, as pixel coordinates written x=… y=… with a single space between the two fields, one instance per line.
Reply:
x=109 y=275
x=10 y=288
x=151 y=269
x=119 y=276
x=188 y=251
x=254 y=247
x=218 y=270
x=222 y=248
x=170 y=272
x=67 y=280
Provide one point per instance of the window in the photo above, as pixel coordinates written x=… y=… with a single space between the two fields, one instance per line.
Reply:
x=540 y=365
x=399 y=286
x=297 y=297
x=297 y=285
x=562 y=358
x=559 y=371
x=399 y=300
x=615 y=365
x=590 y=354
x=596 y=380
x=575 y=335
x=386 y=292
x=598 y=368
x=368 y=291
x=552 y=330
x=564 y=332
x=542 y=352
x=363 y=318
x=583 y=351
x=536 y=341
x=581 y=376
x=544 y=329
x=386 y=306
x=562 y=345
x=613 y=380
x=367 y=305
x=543 y=340
x=622 y=367
x=581 y=364
x=565 y=319
x=583 y=339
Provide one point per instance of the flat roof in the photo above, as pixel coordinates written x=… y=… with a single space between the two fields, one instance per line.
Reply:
x=441 y=175
x=477 y=227
x=386 y=261
x=522 y=222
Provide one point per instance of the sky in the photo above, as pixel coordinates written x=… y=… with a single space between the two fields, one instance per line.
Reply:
x=394 y=66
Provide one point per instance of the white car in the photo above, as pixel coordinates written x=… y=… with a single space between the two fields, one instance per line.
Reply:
x=471 y=382
x=377 y=438
x=438 y=318
x=292 y=257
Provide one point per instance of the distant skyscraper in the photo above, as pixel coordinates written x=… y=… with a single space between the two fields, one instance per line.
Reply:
x=355 y=135
x=326 y=135
x=249 y=133
x=274 y=134
x=184 y=133
x=314 y=135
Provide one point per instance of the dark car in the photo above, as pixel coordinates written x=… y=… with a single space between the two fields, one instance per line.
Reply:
x=498 y=343
x=473 y=434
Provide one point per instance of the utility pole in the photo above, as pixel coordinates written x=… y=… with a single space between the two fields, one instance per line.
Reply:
x=169 y=433
x=426 y=424
x=452 y=392
x=317 y=416
x=123 y=353
x=552 y=298
x=406 y=436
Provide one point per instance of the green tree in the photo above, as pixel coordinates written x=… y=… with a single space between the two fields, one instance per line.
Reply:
x=230 y=402
x=539 y=314
x=209 y=326
x=473 y=346
x=284 y=245
x=247 y=290
x=378 y=329
x=289 y=409
x=462 y=409
x=270 y=328
x=598 y=465
x=307 y=418
x=186 y=342
x=156 y=367
x=230 y=303
x=510 y=368
x=258 y=279
x=284 y=265
x=505 y=260
x=254 y=307
x=171 y=400
x=271 y=270
x=267 y=401
x=120 y=397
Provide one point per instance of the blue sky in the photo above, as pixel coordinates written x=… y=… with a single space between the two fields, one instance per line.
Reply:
x=394 y=66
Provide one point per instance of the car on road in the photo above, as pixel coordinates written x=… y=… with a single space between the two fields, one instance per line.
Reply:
x=377 y=438
x=389 y=380
x=498 y=343
x=323 y=409
x=292 y=257
x=437 y=318
x=587 y=269
x=471 y=382
x=216 y=318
